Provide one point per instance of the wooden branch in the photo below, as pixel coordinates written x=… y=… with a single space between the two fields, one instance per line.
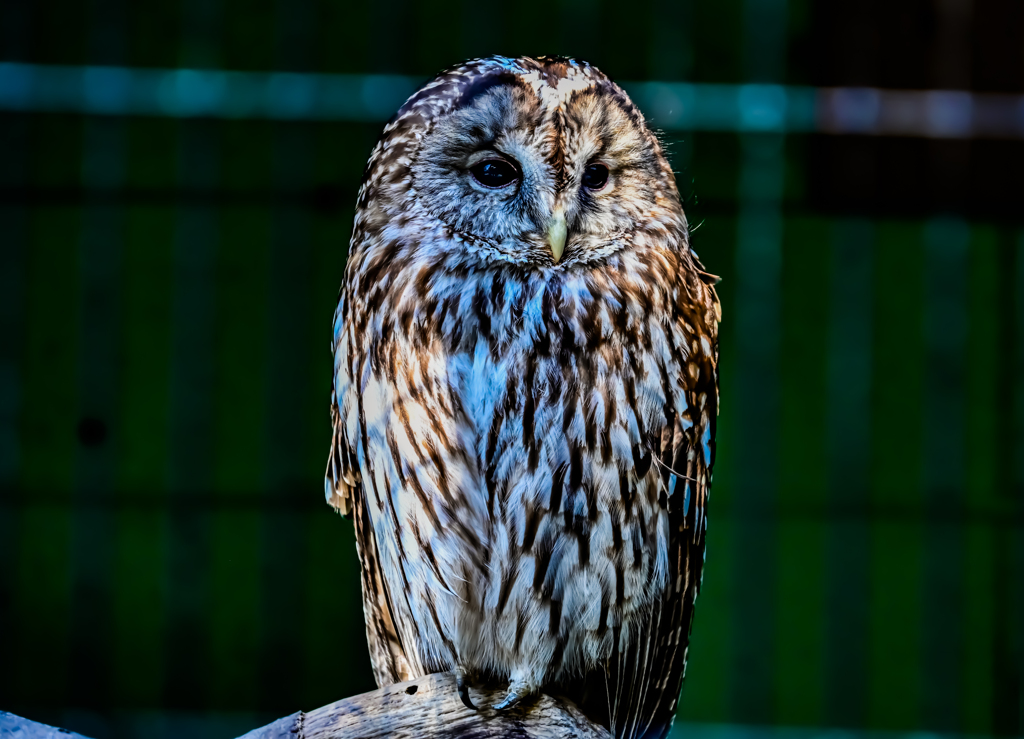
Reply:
x=428 y=707
x=17 y=727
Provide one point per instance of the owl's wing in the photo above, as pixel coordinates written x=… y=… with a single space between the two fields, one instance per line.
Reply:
x=344 y=491
x=342 y=478
x=644 y=679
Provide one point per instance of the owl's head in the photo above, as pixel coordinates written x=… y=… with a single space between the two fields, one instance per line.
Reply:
x=544 y=163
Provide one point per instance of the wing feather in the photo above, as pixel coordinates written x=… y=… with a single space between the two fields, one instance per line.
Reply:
x=344 y=492
x=645 y=674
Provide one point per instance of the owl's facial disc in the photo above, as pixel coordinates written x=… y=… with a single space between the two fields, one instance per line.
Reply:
x=540 y=178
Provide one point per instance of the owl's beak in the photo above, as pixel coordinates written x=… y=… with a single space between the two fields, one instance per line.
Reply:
x=556 y=233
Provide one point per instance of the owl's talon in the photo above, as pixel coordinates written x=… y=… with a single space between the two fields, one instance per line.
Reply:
x=519 y=687
x=460 y=684
x=511 y=699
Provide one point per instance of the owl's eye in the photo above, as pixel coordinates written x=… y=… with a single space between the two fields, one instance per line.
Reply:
x=595 y=176
x=495 y=173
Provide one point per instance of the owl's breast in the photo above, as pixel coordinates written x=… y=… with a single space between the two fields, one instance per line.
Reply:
x=577 y=528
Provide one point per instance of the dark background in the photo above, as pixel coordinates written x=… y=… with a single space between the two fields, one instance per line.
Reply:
x=167 y=564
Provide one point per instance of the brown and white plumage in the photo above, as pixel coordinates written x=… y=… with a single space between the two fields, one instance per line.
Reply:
x=525 y=442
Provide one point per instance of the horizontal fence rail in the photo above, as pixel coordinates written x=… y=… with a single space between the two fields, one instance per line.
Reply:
x=194 y=93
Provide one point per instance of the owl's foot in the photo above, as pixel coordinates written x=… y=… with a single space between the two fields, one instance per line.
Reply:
x=517 y=690
x=463 y=688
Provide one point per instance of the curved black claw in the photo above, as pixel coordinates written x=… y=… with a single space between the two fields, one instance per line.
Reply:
x=460 y=683
x=511 y=699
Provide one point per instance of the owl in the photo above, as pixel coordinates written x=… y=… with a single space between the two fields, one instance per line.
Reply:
x=525 y=394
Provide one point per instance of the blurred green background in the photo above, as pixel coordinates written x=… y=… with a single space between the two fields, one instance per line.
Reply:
x=167 y=564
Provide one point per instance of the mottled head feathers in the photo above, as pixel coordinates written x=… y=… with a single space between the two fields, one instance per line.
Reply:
x=550 y=118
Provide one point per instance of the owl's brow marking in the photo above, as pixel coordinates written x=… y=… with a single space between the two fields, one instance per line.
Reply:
x=484 y=85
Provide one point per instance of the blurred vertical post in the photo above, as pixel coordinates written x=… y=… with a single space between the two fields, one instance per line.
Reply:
x=757 y=321
x=1016 y=568
x=849 y=429
x=14 y=226
x=99 y=268
x=100 y=253
x=946 y=276
x=190 y=473
x=1007 y=626
x=945 y=509
x=289 y=321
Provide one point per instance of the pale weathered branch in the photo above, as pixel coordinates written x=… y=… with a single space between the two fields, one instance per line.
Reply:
x=16 y=727
x=428 y=707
